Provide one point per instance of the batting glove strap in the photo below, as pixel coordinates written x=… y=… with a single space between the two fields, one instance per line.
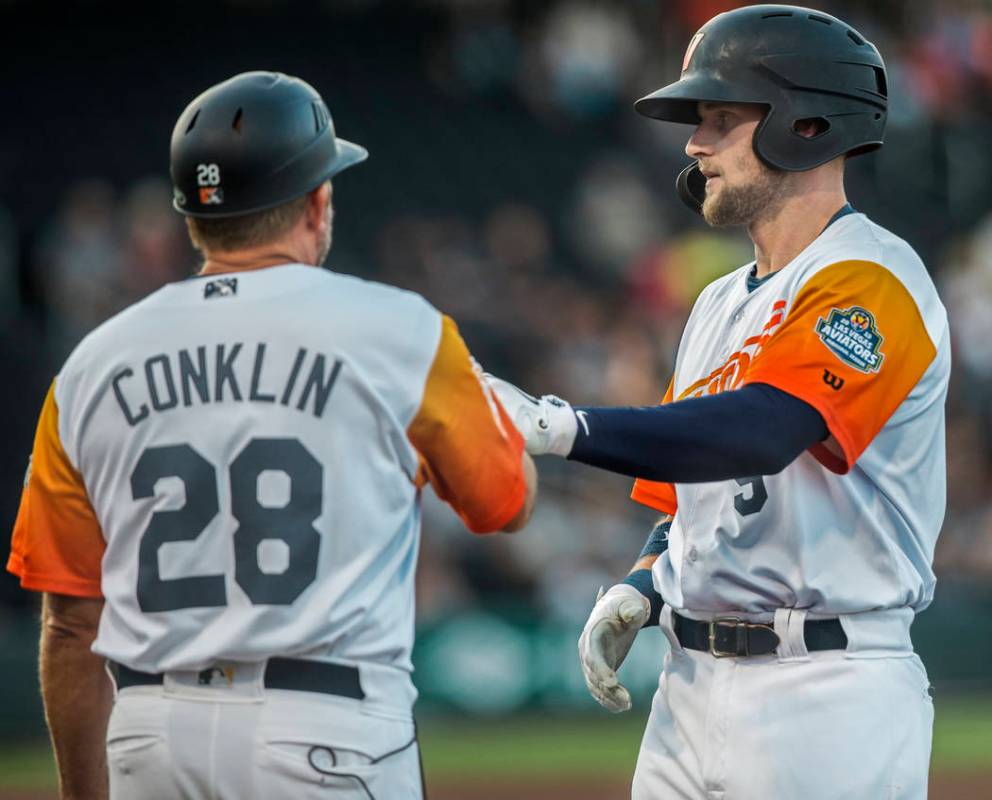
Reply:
x=547 y=423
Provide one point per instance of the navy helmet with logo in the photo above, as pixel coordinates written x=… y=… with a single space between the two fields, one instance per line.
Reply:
x=798 y=63
x=255 y=141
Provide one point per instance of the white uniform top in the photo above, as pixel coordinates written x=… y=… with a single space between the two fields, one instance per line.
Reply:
x=234 y=464
x=854 y=327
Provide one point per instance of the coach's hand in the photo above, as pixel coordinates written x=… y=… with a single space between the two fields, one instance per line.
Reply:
x=548 y=423
x=606 y=639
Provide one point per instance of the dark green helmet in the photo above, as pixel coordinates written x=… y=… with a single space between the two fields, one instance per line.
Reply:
x=253 y=142
x=797 y=62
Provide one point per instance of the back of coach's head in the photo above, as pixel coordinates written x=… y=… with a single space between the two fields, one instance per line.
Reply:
x=246 y=156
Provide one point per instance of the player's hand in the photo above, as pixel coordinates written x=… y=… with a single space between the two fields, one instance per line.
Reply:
x=606 y=639
x=548 y=424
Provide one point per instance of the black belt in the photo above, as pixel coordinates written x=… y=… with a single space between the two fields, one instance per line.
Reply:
x=280 y=673
x=727 y=637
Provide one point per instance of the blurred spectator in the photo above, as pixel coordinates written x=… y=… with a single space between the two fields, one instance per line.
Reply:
x=156 y=248
x=586 y=53
x=615 y=216
x=79 y=262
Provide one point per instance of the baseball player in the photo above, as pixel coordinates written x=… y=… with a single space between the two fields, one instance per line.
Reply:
x=798 y=455
x=225 y=490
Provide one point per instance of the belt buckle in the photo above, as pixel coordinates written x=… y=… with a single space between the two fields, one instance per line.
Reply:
x=724 y=622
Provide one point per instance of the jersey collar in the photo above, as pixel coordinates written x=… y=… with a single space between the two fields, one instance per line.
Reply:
x=754 y=282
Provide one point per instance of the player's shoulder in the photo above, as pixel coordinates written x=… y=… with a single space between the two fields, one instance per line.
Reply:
x=388 y=316
x=326 y=289
x=866 y=252
x=857 y=239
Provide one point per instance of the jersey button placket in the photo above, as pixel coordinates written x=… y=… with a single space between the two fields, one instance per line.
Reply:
x=729 y=337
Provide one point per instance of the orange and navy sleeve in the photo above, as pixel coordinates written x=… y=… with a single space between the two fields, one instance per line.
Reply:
x=470 y=451
x=57 y=544
x=853 y=346
x=655 y=494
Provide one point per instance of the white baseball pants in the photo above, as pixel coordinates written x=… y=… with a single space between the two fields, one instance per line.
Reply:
x=829 y=725
x=239 y=741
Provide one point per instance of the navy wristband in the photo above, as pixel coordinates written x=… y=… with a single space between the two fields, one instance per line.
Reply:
x=641 y=580
x=657 y=542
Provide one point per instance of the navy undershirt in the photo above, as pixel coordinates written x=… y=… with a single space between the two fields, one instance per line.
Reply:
x=753 y=282
x=756 y=430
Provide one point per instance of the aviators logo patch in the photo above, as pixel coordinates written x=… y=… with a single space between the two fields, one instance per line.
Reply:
x=852 y=336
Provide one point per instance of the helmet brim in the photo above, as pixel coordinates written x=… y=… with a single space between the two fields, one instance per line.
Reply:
x=679 y=101
x=349 y=154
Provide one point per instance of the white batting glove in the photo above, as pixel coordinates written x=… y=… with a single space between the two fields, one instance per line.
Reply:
x=548 y=424
x=606 y=639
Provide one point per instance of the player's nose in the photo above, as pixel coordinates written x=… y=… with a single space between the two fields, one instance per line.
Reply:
x=697 y=147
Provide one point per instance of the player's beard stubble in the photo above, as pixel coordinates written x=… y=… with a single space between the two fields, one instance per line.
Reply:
x=762 y=195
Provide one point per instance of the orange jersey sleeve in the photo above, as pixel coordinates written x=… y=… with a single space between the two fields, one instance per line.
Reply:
x=852 y=346
x=655 y=494
x=469 y=448
x=57 y=544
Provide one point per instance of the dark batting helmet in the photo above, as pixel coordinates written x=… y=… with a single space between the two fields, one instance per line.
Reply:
x=253 y=142
x=797 y=62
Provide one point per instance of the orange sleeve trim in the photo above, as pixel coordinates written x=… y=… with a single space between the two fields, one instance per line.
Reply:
x=470 y=451
x=57 y=544
x=44 y=583
x=659 y=496
x=853 y=346
x=515 y=498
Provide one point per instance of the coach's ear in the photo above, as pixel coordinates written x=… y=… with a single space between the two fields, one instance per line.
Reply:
x=318 y=209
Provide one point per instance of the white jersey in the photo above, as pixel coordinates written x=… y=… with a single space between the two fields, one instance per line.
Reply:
x=854 y=327
x=235 y=463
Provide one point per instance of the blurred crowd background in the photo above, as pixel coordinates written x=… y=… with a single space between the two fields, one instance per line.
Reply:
x=512 y=184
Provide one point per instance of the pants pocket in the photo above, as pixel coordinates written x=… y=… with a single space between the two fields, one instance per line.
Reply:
x=303 y=770
x=138 y=767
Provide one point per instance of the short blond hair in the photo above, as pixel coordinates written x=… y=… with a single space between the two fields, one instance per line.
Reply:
x=225 y=234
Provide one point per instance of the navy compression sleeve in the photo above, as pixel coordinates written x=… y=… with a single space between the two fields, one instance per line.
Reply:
x=755 y=430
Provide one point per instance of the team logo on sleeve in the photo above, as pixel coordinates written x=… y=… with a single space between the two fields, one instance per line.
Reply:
x=852 y=336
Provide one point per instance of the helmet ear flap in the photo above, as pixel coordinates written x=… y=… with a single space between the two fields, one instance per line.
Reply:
x=780 y=146
x=691 y=186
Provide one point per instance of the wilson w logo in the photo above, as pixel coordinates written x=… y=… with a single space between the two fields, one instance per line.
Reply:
x=832 y=380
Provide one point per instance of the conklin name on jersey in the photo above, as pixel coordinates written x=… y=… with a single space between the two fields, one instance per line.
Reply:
x=238 y=473
x=210 y=376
